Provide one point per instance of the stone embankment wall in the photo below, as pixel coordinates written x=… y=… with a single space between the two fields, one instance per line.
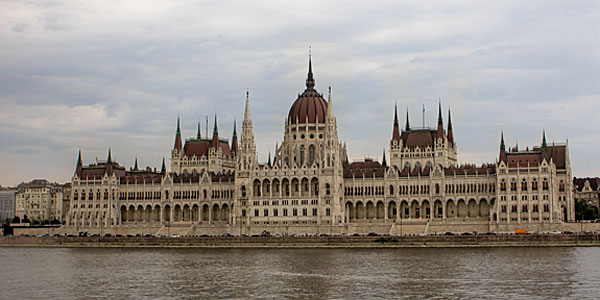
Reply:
x=405 y=228
x=528 y=240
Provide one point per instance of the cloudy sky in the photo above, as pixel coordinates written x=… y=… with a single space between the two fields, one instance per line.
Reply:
x=100 y=74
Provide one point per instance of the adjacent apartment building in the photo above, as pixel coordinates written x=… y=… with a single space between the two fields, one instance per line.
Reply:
x=39 y=200
x=7 y=204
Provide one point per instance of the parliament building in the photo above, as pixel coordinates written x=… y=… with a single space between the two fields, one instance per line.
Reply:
x=309 y=186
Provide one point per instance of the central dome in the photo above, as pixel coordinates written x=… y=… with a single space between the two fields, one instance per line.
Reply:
x=309 y=107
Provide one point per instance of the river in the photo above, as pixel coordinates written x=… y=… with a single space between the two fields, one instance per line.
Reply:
x=442 y=273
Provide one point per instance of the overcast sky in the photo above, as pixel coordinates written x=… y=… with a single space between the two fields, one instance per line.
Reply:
x=100 y=74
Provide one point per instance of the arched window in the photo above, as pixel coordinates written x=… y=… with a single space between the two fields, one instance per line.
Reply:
x=327 y=189
x=301 y=155
x=524 y=185
x=545 y=184
x=503 y=185
x=513 y=185
x=243 y=191
x=311 y=154
x=391 y=190
x=534 y=184
x=561 y=186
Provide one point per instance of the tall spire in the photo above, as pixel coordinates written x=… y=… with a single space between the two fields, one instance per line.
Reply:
x=396 y=129
x=234 y=143
x=247 y=111
x=135 y=167
x=109 y=159
x=163 y=169
x=269 y=161
x=79 y=165
x=215 y=128
x=177 y=145
x=544 y=144
x=310 y=81
x=502 y=147
x=440 y=125
x=450 y=132
x=198 y=135
x=215 y=137
x=384 y=163
x=407 y=123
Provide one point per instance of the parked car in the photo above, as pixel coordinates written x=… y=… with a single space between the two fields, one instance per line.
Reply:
x=449 y=233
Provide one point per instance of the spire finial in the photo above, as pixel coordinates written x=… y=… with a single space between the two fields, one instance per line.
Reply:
x=215 y=129
x=502 y=146
x=384 y=163
x=247 y=111
x=544 y=144
x=310 y=81
x=440 y=113
x=163 y=169
x=109 y=159
x=135 y=166
x=407 y=123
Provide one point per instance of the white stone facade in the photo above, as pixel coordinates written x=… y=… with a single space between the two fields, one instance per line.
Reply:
x=310 y=183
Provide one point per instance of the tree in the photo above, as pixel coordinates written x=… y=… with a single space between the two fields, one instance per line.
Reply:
x=584 y=211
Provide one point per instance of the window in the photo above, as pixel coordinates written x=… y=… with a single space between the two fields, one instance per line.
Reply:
x=314 y=212
x=503 y=185
x=243 y=191
x=514 y=209
x=295 y=212
x=305 y=212
x=275 y=212
x=266 y=212
x=524 y=185
x=545 y=184
x=513 y=185
x=256 y=212
x=328 y=211
x=285 y=212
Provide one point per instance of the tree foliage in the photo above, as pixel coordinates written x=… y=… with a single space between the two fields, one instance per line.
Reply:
x=584 y=211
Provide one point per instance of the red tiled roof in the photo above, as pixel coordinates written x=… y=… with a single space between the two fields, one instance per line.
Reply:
x=200 y=148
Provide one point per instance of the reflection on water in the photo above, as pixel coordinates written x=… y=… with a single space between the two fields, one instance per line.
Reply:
x=473 y=273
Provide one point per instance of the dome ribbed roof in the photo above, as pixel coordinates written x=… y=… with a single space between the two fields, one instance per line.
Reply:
x=310 y=104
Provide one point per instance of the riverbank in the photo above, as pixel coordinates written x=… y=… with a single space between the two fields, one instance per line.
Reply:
x=528 y=240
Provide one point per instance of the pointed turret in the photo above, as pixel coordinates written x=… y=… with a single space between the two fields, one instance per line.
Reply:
x=109 y=163
x=310 y=81
x=215 y=138
x=79 y=165
x=135 y=167
x=407 y=123
x=269 y=161
x=502 y=156
x=234 y=142
x=544 y=144
x=440 y=125
x=109 y=158
x=198 y=135
x=396 y=130
x=329 y=116
x=177 y=145
x=247 y=149
x=163 y=169
x=384 y=163
x=450 y=132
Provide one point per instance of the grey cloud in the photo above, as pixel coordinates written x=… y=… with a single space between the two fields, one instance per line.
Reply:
x=120 y=79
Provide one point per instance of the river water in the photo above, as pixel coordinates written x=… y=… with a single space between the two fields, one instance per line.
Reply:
x=442 y=273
